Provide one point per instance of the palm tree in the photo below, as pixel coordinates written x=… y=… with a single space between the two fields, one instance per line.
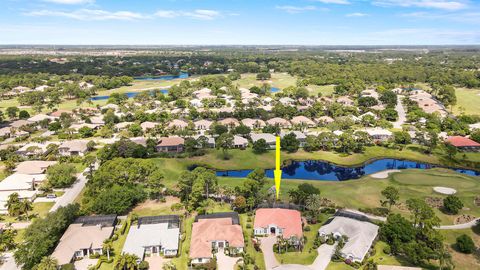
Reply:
x=47 y=263
x=25 y=206
x=13 y=204
x=445 y=259
x=127 y=262
x=107 y=246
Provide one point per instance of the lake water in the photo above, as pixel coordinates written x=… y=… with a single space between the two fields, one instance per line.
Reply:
x=274 y=89
x=325 y=171
x=129 y=95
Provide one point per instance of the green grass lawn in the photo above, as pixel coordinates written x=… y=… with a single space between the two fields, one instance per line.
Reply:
x=325 y=90
x=463 y=261
x=117 y=246
x=249 y=249
x=279 y=80
x=467 y=101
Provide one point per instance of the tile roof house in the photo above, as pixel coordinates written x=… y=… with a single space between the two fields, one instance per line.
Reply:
x=170 y=144
x=177 y=124
x=239 y=142
x=18 y=182
x=153 y=236
x=202 y=124
x=73 y=148
x=464 y=143
x=253 y=123
x=379 y=134
x=33 y=166
x=323 y=120
x=277 y=121
x=229 y=122
x=361 y=235
x=302 y=120
x=32 y=149
x=278 y=221
x=214 y=233
x=84 y=237
x=148 y=125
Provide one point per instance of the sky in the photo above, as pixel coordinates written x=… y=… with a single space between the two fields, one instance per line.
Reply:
x=240 y=22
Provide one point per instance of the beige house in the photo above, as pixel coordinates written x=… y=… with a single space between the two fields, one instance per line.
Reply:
x=253 y=123
x=170 y=144
x=84 y=237
x=73 y=148
x=277 y=121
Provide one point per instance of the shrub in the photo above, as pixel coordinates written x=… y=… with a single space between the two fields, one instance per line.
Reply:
x=249 y=226
x=387 y=250
x=452 y=204
x=465 y=244
x=307 y=228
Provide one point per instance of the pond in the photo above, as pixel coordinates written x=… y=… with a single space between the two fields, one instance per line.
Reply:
x=162 y=78
x=325 y=171
x=274 y=89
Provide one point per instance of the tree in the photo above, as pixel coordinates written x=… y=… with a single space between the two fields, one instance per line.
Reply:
x=127 y=262
x=61 y=175
x=225 y=142
x=240 y=204
x=396 y=231
x=389 y=98
x=47 y=263
x=313 y=204
x=7 y=239
x=107 y=247
x=290 y=143
x=13 y=204
x=392 y=196
x=402 y=137
x=23 y=114
x=25 y=206
x=302 y=193
x=260 y=146
x=465 y=244
x=423 y=215
x=194 y=186
x=85 y=132
x=116 y=199
x=450 y=150
x=452 y=204
x=12 y=112
x=41 y=237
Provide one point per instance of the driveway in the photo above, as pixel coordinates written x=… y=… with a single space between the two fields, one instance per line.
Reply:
x=8 y=262
x=85 y=263
x=225 y=262
x=156 y=262
x=325 y=253
x=266 y=244
x=72 y=193
x=402 y=116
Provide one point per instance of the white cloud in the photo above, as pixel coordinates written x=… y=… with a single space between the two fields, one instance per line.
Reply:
x=340 y=2
x=295 y=9
x=71 y=2
x=435 y=4
x=200 y=14
x=357 y=14
x=89 y=14
x=466 y=17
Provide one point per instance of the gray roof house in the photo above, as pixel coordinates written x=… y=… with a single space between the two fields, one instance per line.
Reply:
x=153 y=236
x=361 y=235
x=269 y=138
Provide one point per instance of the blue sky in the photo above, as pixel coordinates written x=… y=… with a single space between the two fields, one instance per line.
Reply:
x=223 y=22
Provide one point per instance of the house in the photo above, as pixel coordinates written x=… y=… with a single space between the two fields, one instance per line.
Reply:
x=286 y=101
x=379 y=134
x=202 y=124
x=229 y=122
x=213 y=233
x=19 y=123
x=177 y=124
x=77 y=127
x=110 y=106
x=463 y=143
x=300 y=136
x=139 y=140
x=39 y=118
x=277 y=121
x=324 y=120
x=153 y=235
x=270 y=139
x=85 y=236
x=302 y=121
x=73 y=148
x=22 y=195
x=32 y=149
x=170 y=144
x=33 y=166
x=474 y=126
x=98 y=120
x=253 y=123
x=361 y=235
x=279 y=222
x=346 y=101
x=148 y=125
x=210 y=140
x=239 y=142
x=19 y=182
x=368 y=114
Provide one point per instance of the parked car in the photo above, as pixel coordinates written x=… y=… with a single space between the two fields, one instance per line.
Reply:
x=51 y=196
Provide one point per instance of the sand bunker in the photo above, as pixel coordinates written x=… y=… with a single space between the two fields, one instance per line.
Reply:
x=445 y=190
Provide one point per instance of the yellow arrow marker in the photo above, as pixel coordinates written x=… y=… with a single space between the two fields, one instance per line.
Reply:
x=278 y=171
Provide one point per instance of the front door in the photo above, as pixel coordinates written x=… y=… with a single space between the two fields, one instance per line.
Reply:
x=220 y=244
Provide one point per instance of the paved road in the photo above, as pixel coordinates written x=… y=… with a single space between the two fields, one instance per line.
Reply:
x=72 y=193
x=467 y=225
x=402 y=116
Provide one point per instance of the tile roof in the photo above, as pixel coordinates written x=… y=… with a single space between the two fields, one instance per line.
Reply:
x=459 y=141
x=289 y=220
